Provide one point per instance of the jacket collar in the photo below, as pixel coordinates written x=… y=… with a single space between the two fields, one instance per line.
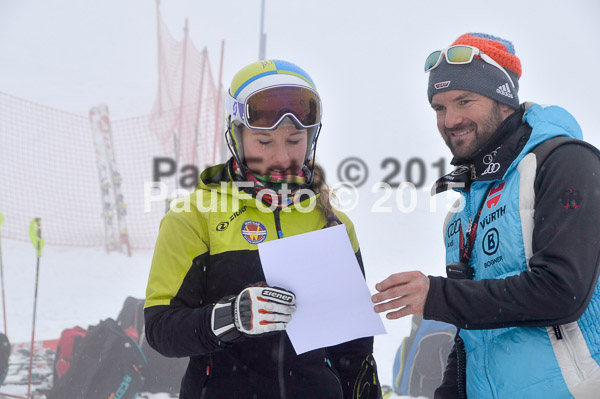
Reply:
x=222 y=178
x=492 y=161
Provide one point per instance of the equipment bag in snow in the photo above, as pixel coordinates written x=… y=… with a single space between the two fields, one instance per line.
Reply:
x=421 y=359
x=4 y=355
x=107 y=363
x=161 y=374
x=67 y=345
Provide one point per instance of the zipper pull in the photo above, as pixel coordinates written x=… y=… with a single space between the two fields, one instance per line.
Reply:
x=557 y=332
x=473 y=174
x=470 y=225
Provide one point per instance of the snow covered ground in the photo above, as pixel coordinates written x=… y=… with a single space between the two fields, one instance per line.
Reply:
x=81 y=286
x=77 y=286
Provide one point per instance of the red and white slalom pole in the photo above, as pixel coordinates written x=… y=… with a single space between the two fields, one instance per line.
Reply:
x=35 y=234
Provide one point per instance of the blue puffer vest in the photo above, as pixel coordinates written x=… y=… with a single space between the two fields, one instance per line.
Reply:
x=522 y=362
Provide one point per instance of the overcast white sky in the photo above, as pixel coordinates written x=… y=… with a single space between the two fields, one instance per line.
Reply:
x=366 y=58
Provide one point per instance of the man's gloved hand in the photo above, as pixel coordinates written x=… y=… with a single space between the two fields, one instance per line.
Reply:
x=258 y=309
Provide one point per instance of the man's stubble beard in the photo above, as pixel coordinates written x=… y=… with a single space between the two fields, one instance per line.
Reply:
x=483 y=133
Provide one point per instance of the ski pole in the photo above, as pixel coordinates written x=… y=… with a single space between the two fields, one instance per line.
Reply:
x=2 y=277
x=35 y=234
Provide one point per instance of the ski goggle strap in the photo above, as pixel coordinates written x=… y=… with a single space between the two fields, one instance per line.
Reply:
x=461 y=54
x=266 y=108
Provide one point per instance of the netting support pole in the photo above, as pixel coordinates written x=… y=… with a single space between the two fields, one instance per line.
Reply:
x=218 y=111
x=159 y=56
x=177 y=141
x=262 y=38
x=199 y=110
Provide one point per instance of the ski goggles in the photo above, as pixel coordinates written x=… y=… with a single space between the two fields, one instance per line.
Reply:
x=461 y=54
x=266 y=108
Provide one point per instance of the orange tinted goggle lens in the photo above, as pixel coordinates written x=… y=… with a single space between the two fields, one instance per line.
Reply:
x=454 y=55
x=459 y=54
x=264 y=109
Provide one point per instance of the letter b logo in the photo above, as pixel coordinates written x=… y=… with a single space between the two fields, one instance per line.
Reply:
x=491 y=241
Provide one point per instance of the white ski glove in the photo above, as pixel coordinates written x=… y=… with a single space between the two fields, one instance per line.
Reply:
x=258 y=309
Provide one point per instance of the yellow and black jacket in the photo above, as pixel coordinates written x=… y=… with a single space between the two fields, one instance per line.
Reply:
x=203 y=254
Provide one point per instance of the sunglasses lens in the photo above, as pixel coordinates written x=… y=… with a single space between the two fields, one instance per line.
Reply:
x=266 y=107
x=459 y=54
x=432 y=60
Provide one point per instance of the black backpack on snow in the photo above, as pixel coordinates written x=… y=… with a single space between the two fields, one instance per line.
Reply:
x=4 y=355
x=161 y=374
x=107 y=363
x=421 y=358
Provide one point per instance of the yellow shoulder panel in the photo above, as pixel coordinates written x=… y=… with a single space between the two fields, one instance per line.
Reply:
x=182 y=237
x=350 y=227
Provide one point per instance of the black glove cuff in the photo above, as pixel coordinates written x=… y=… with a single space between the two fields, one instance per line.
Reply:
x=222 y=324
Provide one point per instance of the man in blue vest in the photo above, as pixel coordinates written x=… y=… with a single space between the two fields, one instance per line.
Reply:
x=522 y=246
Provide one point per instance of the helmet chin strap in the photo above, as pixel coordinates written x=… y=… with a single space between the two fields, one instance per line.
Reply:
x=311 y=154
x=231 y=145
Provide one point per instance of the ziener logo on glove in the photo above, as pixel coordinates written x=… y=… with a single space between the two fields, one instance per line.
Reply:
x=278 y=295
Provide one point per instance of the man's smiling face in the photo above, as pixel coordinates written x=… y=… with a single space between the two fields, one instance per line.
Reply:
x=467 y=120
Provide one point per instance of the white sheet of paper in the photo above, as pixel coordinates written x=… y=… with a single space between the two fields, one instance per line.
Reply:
x=333 y=300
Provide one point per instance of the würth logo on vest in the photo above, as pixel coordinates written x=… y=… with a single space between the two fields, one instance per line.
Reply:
x=505 y=90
